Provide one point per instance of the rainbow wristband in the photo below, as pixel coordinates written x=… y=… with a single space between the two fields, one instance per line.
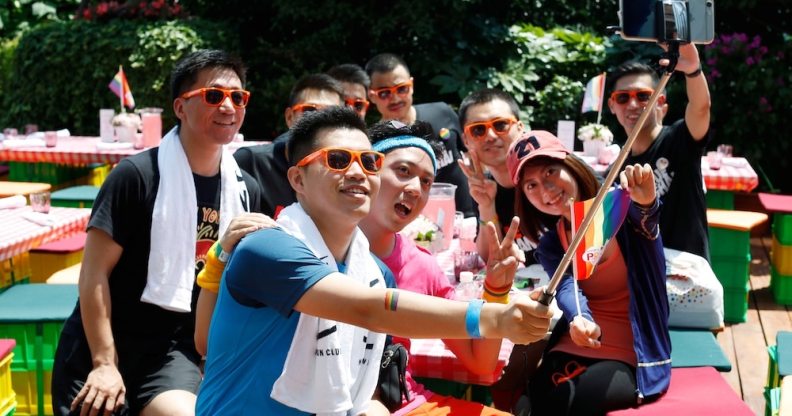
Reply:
x=473 y=317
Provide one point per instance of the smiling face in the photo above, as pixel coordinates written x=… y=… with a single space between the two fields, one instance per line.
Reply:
x=407 y=176
x=548 y=185
x=492 y=149
x=337 y=196
x=396 y=106
x=208 y=124
x=628 y=113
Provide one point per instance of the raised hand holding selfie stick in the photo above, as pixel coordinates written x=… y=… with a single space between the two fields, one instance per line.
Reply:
x=549 y=292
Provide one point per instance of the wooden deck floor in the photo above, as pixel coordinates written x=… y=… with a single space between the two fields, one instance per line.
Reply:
x=746 y=344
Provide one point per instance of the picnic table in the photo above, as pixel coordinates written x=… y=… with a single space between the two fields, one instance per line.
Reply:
x=81 y=150
x=19 y=234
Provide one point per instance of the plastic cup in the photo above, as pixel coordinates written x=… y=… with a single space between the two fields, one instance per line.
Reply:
x=152 y=126
x=51 y=138
x=725 y=150
x=106 y=125
x=714 y=159
x=40 y=202
x=441 y=209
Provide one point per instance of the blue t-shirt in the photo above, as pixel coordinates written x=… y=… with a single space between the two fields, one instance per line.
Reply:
x=254 y=322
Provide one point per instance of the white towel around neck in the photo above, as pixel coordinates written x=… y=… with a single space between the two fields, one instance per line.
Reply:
x=171 y=266
x=343 y=381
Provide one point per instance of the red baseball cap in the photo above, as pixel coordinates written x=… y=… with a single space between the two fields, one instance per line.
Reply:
x=530 y=145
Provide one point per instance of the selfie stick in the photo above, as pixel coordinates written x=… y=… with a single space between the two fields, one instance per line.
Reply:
x=549 y=292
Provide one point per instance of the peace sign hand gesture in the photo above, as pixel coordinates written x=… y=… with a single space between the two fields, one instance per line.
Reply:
x=482 y=190
x=501 y=261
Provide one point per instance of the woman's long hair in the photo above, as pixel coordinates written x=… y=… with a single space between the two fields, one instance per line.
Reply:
x=534 y=222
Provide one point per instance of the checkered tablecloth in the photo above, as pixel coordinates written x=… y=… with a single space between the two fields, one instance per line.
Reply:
x=69 y=151
x=735 y=174
x=79 y=151
x=18 y=235
x=430 y=358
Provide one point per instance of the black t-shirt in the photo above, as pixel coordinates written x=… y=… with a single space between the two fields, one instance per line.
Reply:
x=123 y=209
x=504 y=209
x=445 y=124
x=267 y=164
x=675 y=158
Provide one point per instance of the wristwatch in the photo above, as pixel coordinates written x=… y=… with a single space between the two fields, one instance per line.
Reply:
x=221 y=254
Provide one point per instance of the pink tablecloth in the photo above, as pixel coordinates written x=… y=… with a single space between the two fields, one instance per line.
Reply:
x=736 y=174
x=79 y=151
x=18 y=235
x=430 y=358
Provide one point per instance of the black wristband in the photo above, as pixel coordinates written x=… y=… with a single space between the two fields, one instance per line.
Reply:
x=694 y=74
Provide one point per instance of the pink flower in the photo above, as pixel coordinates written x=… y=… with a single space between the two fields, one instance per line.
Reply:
x=749 y=61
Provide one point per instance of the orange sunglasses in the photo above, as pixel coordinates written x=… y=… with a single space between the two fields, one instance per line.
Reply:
x=215 y=96
x=307 y=107
x=339 y=159
x=385 y=93
x=500 y=126
x=358 y=104
x=624 y=96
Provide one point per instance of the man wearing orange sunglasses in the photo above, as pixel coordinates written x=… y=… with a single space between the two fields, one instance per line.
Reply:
x=356 y=84
x=156 y=216
x=268 y=163
x=674 y=151
x=302 y=308
x=392 y=93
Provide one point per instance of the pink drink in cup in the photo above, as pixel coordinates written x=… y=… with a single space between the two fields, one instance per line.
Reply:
x=440 y=209
x=152 y=126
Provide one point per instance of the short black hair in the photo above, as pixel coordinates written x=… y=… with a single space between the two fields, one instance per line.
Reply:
x=393 y=128
x=631 y=68
x=304 y=133
x=484 y=96
x=321 y=82
x=385 y=62
x=186 y=71
x=351 y=73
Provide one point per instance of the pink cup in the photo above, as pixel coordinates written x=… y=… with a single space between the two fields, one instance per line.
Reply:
x=714 y=159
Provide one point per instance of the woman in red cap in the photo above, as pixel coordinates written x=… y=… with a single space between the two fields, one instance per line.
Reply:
x=611 y=349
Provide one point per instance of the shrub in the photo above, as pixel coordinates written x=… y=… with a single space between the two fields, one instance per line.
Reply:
x=62 y=69
x=750 y=84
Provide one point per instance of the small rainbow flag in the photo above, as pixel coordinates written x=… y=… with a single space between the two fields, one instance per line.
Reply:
x=595 y=91
x=120 y=87
x=606 y=222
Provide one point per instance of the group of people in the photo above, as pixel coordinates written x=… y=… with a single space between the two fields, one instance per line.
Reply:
x=283 y=264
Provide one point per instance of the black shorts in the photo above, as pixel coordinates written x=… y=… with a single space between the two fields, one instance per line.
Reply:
x=147 y=370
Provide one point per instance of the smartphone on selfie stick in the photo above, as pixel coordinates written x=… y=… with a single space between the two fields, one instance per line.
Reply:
x=672 y=22
x=685 y=21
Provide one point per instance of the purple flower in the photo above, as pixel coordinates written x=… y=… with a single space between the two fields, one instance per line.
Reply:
x=741 y=37
x=757 y=40
x=712 y=61
x=749 y=61
x=715 y=73
x=762 y=100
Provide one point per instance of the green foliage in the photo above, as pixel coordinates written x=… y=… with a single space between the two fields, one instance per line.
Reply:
x=752 y=100
x=17 y=16
x=62 y=70
x=7 y=49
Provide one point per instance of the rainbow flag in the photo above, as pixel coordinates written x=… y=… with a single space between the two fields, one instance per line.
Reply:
x=595 y=91
x=606 y=222
x=120 y=87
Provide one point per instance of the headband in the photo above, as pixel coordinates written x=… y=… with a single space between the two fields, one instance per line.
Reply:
x=398 y=142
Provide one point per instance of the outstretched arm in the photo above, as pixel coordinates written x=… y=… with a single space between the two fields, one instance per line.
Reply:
x=697 y=112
